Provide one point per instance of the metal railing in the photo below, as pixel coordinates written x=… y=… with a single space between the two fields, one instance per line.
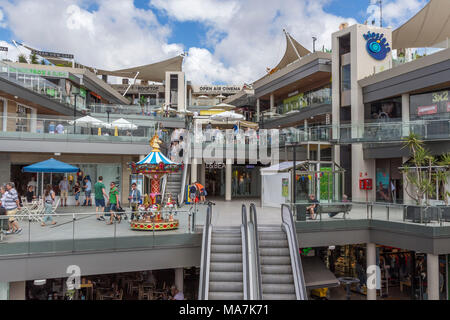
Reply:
x=257 y=270
x=245 y=253
x=205 y=257
x=297 y=269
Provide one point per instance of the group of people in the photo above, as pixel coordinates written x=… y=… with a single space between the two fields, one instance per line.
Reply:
x=52 y=128
x=9 y=205
x=197 y=192
x=109 y=207
x=177 y=149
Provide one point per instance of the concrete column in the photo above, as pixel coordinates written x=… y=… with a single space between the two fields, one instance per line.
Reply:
x=371 y=260
x=433 y=276
x=407 y=190
x=258 y=109
x=179 y=279
x=202 y=173
x=360 y=167
x=4 y=291
x=405 y=113
x=193 y=170
x=228 y=170
x=17 y=290
x=272 y=103
x=33 y=120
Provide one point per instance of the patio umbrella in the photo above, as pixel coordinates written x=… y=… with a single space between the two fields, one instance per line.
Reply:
x=88 y=121
x=202 y=97
x=221 y=96
x=123 y=124
x=227 y=116
x=225 y=106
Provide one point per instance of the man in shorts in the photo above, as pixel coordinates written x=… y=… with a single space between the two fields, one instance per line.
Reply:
x=64 y=191
x=100 y=195
x=12 y=205
x=113 y=202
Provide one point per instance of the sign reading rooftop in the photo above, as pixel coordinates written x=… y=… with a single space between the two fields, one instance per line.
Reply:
x=39 y=72
x=52 y=54
x=213 y=89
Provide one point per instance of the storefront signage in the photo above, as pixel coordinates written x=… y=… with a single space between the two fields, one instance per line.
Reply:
x=293 y=93
x=138 y=88
x=83 y=92
x=39 y=72
x=377 y=45
x=4 y=49
x=285 y=188
x=52 y=54
x=427 y=110
x=215 y=165
x=440 y=96
x=208 y=89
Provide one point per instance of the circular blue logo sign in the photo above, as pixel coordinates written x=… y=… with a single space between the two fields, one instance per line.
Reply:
x=377 y=45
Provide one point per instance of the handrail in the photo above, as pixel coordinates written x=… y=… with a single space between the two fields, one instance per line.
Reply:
x=245 y=261
x=163 y=187
x=254 y=223
x=187 y=153
x=205 y=256
x=297 y=269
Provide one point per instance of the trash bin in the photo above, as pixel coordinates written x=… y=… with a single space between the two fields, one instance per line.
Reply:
x=301 y=211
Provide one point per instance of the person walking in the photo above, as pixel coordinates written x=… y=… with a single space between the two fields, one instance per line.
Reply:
x=201 y=191
x=64 y=191
x=113 y=202
x=87 y=192
x=77 y=191
x=3 y=221
x=49 y=199
x=11 y=204
x=134 y=197
x=100 y=195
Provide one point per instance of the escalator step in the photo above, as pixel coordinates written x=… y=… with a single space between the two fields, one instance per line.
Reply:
x=225 y=295
x=225 y=267
x=276 y=269
x=226 y=286
x=272 y=243
x=226 y=257
x=217 y=276
x=275 y=260
x=273 y=288
x=272 y=236
x=274 y=251
x=226 y=248
x=284 y=296
x=277 y=278
x=226 y=240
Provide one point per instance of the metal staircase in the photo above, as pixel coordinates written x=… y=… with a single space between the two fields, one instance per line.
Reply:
x=172 y=186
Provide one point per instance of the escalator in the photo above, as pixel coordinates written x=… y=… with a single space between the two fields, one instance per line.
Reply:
x=280 y=270
x=224 y=261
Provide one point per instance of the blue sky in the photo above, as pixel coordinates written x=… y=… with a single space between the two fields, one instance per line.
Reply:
x=227 y=41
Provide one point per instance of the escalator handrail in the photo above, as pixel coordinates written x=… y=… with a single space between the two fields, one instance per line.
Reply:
x=245 y=261
x=299 y=279
x=254 y=221
x=184 y=177
x=205 y=256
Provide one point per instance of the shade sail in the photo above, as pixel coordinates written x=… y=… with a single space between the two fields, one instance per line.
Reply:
x=430 y=27
x=290 y=55
x=51 y=166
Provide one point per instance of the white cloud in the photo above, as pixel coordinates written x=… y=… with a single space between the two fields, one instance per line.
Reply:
x=115 y=35
x=395 y=12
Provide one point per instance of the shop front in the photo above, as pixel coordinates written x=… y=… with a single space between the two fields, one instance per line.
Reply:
x=389 y=180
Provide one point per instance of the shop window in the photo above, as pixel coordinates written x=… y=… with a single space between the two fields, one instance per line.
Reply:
x=384 y=111
x=430 y=106
x=23 y=118
x=346 y=77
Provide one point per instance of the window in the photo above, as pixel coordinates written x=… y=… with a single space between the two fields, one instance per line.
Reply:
x=346 y=78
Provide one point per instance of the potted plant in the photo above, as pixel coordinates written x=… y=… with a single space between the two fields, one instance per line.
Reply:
x=418 y=175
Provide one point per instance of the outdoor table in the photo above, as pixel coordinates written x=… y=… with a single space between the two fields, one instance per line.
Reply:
x=348 y=281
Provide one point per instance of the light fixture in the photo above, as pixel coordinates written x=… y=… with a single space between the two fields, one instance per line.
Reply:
x=39 y=282
x=16 y=97
x=57 y=154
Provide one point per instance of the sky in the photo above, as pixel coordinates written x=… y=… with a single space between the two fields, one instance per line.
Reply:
x=226 y=41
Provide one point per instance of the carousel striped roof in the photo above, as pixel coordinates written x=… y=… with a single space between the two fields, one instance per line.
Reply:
x=155 y=158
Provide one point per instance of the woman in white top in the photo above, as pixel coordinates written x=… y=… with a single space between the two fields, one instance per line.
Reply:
x=49 y=199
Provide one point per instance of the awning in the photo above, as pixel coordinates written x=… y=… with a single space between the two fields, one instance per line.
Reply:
x=317 y=274
x=51 y=166
x=430 y=27
x=292 y=53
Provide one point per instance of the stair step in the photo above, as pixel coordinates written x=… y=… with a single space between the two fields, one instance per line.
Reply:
x=226 y=240
x=272 y=235
x=226 y=276
x=278 y=288
x=225 y=267
x=273 y=243
x=226 y=257
x=274 y=252
x=271 y=269
x=226 y=286
x=275 y=260
x=225 y=296
x=226 y=248
x=284 y=296
x=277 y=278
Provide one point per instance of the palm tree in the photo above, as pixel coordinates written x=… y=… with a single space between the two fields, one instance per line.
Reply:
x=22 y=58
x=34 y=59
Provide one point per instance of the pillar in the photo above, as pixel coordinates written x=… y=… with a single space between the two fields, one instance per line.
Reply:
x=17 y=290
x=433 y=276
x=179 y=279
x=272 y=103
x=193 y=170
x=258 y=109
x=4 y=291
x=202 y=173
x=371 y=261
x=405 y=114
x=228 y=179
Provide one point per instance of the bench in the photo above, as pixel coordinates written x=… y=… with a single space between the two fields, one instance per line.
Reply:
x=334 y=209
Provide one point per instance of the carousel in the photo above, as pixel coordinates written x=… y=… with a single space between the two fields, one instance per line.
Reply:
x=153 y=213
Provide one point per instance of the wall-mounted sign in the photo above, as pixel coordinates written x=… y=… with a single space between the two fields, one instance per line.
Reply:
x=4 y=49
x=134 y=89
x=40 y=72
x=285 y=187
x=52 y=54
x=293 y=93
x=377 y=45
x=427 y=110
x=211 y=89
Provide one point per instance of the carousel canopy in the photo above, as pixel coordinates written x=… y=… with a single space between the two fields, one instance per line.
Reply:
x=155 y=157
